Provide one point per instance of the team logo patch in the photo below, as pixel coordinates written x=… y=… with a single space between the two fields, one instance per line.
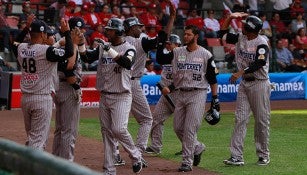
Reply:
x=261 y=57
x=59 y=52
x=42 y=28
x=79 y=24
x=130 y=55
x=213 y=64
x=181 y=58
x=261 y=51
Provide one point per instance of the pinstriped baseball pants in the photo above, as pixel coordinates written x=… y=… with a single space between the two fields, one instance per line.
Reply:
x=66 y=122
x=162 y=111
x=37 y=112
x=114 y=112
x=141 y=111
x=188 y=116
x=252 y=97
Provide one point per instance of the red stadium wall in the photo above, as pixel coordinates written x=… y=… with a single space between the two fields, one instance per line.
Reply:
x=90 y=97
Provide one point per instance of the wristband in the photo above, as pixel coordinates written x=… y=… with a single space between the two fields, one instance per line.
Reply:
x=112 y=53
x=82 y=48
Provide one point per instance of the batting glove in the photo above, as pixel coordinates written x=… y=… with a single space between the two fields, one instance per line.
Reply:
x=215 y=103
x=103 y=44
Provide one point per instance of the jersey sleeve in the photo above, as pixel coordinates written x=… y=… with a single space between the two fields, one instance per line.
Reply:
x=211 y=71
x=232 y=38
x=262 y=54
x=90 y=55
x=57 y=54
x=149 y=44
x=127 y=59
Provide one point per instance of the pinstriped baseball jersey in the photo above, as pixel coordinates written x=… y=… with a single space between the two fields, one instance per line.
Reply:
x=37 y=71
x=189 y=68
x=246 y=54
x=167 y=75
x=140 y=57
x=111 y=77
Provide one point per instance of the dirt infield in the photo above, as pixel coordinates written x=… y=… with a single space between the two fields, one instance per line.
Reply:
x=90 y=154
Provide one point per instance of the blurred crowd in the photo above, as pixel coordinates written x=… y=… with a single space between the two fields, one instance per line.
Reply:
x=287 y=20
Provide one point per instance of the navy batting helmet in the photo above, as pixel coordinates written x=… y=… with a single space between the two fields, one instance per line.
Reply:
x=174 y=39
x=252 y=24
x=76 y=22
x=115 y=24
x=132 y=21
x=212 y=116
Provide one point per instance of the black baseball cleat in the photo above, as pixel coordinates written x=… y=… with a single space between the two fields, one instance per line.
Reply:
x=144 y=163
x=178 y=153
x=233 y=161
x=137 y=167
x=149 y=150
x=263 y=161
x=184 y=168
x=197 y=158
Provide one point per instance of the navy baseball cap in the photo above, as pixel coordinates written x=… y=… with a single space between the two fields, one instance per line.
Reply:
x=38 y=26
x=76 y=22
x=50 y=31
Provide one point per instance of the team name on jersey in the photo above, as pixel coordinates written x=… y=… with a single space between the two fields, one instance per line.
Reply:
x=167 y=68
x=247 y=56
x=29 y=79
x=107 y=61
x=28 y=53
x=189 y=66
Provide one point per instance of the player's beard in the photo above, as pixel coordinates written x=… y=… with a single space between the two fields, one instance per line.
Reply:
x=191 y=41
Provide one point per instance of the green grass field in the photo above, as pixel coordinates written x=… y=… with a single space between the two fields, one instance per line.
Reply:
x=288 y=143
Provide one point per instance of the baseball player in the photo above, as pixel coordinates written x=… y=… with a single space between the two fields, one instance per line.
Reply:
x=163 y=109
x=114 y=83
x=193 y=70
x=38 y=67
x=252 y=58
x=67 y=100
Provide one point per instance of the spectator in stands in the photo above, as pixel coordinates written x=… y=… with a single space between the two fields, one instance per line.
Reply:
x=105 y=14
x=70 y=10
x=239 y=6
x=150 y=20
x=59 y=6
x=149 y=68
x=296 y=8
x=26 y=11
x=117 y=13
x=4 y=30
x=300 y=41
x=91 y=18
x=194 y=19
x=5 y=66
x=97 y=34
x=196 y=4
x=253 y=7
x=285 y=59
x=282 y=7
x=266 y=27
x=212 y=25
x=280 y=27
x=297 y=23
x=125 y=8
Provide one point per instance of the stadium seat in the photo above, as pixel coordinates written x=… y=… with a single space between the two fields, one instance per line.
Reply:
x=219 y=53
x=213 y=42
